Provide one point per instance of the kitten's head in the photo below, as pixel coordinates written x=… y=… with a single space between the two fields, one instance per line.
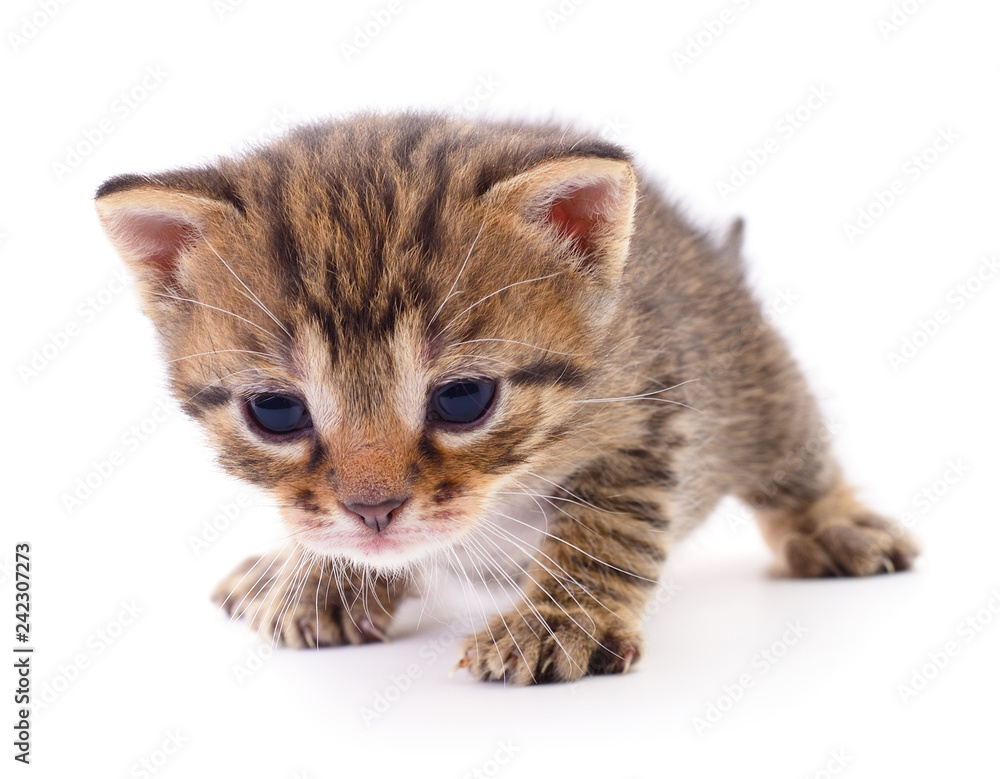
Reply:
x=385 y=321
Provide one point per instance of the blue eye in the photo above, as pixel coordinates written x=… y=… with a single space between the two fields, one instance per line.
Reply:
x=279 y=413
x=463 y=401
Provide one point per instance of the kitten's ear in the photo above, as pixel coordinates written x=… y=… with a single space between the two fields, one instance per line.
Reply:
x=152 y=225
x=586 y=202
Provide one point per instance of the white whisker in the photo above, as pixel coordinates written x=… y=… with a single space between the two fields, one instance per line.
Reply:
x=520 y=343
x=524 y=547
x=568 y=491
x=216 y=308
x=483 y=299
x=581 y=551
x=644 y=396
x=460 y=272
x=220 y=351
x=503 y=619
x=256 y=299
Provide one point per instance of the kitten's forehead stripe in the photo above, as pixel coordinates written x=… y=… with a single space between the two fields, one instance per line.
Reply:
x=410 y=135
x=388 y=194
x=283 y=244
x=426 y=235
x=321 y=314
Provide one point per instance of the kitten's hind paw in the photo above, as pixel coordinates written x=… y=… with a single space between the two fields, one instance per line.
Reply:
x=838 y=537
x=549 y=646
x=302 y=609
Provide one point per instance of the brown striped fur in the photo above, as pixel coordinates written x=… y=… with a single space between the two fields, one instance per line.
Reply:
x=358 y=264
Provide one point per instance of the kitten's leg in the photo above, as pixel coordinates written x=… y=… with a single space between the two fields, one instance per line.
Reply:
x=584 y=595
x=305 y=601
x=806 y=511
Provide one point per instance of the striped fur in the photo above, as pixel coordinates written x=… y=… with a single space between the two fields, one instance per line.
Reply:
x=359 y=264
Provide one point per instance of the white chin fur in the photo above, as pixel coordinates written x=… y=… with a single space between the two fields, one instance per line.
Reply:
x=388 y=561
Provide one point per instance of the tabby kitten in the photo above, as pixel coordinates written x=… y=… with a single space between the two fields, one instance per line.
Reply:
x=440 y=340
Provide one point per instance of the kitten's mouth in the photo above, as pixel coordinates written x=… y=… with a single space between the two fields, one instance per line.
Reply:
x=394 y=547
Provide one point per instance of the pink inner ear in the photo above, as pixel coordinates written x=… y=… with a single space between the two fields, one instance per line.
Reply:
x=156 y=237
x=580 y=215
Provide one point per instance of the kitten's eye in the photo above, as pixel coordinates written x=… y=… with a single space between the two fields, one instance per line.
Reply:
x=462 y=401
x=279 y=413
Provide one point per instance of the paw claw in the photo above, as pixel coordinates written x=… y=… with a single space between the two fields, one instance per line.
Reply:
x=264 y=592
x=856 y=542
x=524 y=649
x=629 y=656
x=370 y=630
x=307 y=629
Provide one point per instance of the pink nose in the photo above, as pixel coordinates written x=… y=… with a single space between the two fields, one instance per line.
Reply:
x=377 y=517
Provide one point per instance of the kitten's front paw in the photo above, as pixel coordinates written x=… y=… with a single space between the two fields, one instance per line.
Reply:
x=851 y=541
x=552 y=647
x=303 y=611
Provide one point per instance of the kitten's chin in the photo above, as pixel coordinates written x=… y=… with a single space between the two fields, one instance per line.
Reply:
x=383 y=552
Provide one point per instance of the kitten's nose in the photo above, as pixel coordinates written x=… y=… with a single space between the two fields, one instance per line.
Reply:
x=377 y=517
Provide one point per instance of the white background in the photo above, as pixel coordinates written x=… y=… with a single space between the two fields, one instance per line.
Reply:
x=204 y=77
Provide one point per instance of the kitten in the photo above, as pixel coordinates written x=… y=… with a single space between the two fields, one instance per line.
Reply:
x=425 y=335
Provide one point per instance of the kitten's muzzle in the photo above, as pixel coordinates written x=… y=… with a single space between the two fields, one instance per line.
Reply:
x=376 y=517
